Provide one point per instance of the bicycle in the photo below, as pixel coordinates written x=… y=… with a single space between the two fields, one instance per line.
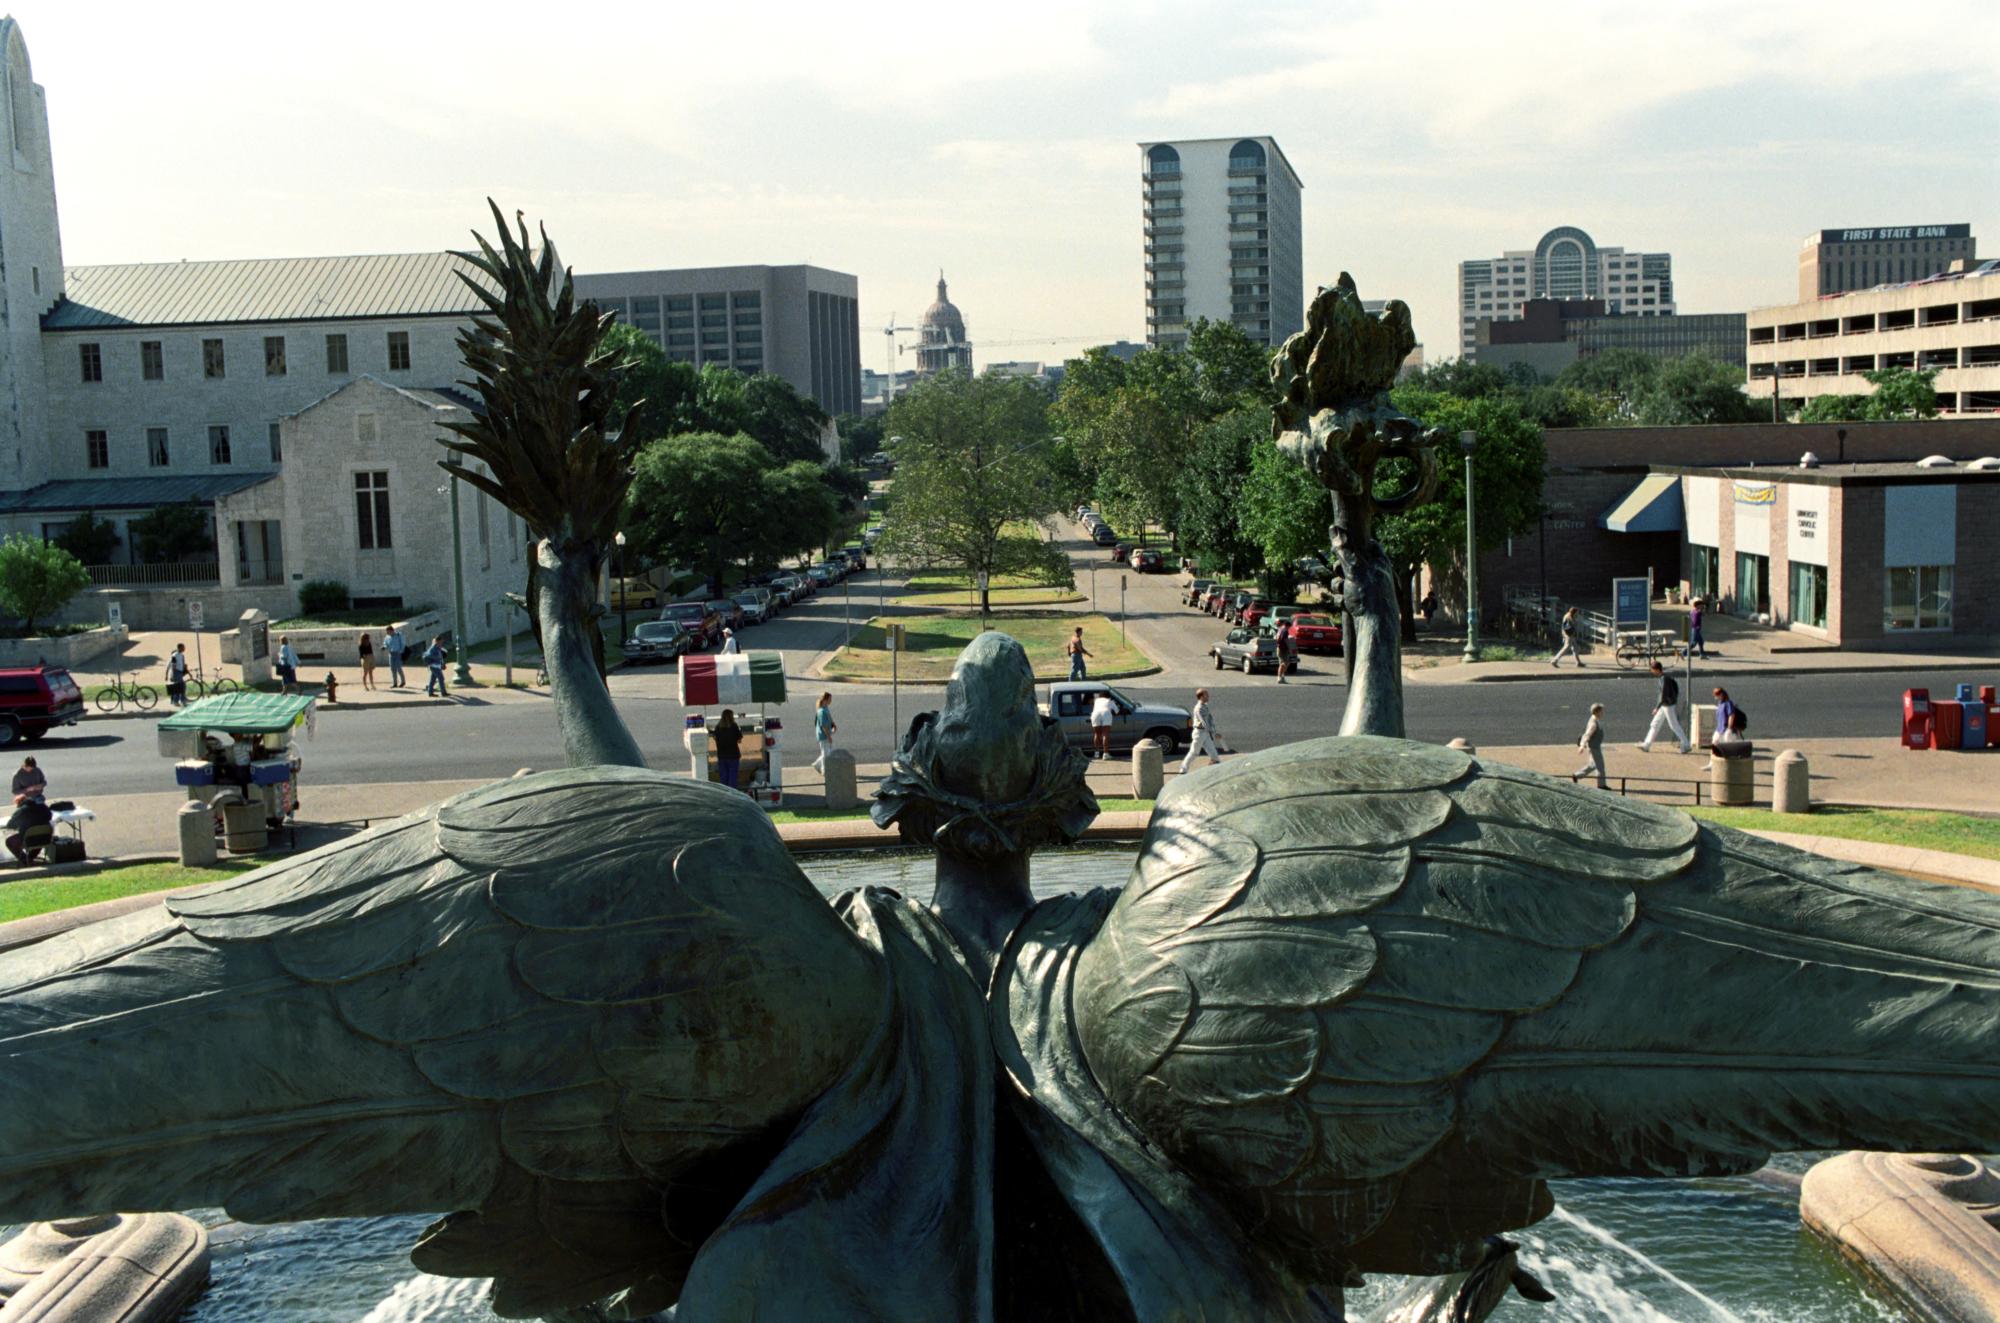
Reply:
x=200 y=686
x=115 y=695
x=1633 y=649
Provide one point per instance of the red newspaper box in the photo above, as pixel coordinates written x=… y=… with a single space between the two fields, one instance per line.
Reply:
x=1947 y=724
x=1916 y=718
x=1992 y=715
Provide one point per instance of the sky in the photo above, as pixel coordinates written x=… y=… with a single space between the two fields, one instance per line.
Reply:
x=998 y=142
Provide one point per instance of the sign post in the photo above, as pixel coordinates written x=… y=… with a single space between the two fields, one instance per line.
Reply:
x=892 y=638
x=194 y=623
x=1631 y=605
x=1121 y=609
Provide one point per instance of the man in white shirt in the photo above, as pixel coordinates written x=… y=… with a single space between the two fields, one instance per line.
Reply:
x=1102 y=713
x=1203 y=740
x=729 y=641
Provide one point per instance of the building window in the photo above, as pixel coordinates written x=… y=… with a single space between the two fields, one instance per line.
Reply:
x=93 y=362
x=218 y=444
x=371 y=511
x=336 y=355
x=277 y=446
x=211 y=359
x=399 y=351
x=1916 y=597
x=1704 y=573
x=152 y=366
x=1808 y=594
x=156 y=447
x=1753 y=584
x=274 y=355
x=97 y=447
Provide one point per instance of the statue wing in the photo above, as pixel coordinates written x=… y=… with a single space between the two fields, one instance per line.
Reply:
x=1375 y=993
x=583 y=1005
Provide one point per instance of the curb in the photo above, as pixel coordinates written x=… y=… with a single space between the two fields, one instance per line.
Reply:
x=1773 y=673
x=344 y=705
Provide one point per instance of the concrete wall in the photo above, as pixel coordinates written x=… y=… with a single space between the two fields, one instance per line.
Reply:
x=70 y=650
x=31 y=269
x=166 y=608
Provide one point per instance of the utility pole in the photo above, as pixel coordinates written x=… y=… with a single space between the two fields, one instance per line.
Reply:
x=1468 y=441
x=462 y=673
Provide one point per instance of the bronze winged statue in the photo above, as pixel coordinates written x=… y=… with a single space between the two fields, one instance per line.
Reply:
x=1359 y=1001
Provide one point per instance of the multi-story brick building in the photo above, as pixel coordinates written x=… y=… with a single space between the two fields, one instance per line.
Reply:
x=1565 y=263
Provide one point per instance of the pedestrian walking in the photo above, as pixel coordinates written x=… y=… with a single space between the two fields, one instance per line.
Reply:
x=1205 y=737
x=367 y=650
x=823 y=731
x=288 y=665
x=1102 y=713
x=434 y=657
x=1077 y=652
x=729 y=640
x=727 y=737
x=1699 y=648
x=1725 y=708
x=1568 y=648
x=1288 y=651
x=395 y=645
x=177 y=675
x=1591 y=745
x=1666 y=712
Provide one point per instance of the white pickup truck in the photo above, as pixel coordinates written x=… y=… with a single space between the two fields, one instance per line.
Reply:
x=1070 y=703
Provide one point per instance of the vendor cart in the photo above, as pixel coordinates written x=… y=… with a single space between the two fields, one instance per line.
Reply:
x=736 y=680
x=237 y=753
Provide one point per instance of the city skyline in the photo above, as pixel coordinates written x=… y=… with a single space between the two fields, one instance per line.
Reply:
x=886 y=147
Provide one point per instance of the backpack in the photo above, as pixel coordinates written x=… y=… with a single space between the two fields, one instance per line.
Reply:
x=1743 y=718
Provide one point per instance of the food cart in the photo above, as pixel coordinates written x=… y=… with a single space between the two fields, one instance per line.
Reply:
x=736 y=680
x=237 y=753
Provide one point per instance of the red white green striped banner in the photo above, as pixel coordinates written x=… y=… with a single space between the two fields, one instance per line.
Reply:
x=713 y=679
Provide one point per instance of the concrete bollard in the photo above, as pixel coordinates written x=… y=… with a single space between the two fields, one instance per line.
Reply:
x=696 y=740
x=1732 y=780
x=197 y=834
x=840 y=791
x=1791 y=786
x=1149 y=769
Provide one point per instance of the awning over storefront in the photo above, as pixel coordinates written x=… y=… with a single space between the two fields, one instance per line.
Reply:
x=1653 y=506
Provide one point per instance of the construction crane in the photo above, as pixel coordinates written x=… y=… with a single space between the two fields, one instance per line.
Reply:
x=890 y=351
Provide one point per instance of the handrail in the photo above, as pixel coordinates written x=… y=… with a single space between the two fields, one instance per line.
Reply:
x=174 y=572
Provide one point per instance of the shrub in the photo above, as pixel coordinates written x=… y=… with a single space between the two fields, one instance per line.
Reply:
x=319 y=596
x=37 y=578
x=170 y=533
x=91 y=540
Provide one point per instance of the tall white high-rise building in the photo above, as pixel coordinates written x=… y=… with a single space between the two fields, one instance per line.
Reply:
x=1565 y=264
x=1222 y=238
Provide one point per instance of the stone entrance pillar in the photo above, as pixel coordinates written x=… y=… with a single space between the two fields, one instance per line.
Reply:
x=253 y=647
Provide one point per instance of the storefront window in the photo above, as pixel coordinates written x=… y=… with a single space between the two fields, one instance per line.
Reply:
x=1704 y=573
x=1917 y=597
x=1753 y=584
x=1808 y=594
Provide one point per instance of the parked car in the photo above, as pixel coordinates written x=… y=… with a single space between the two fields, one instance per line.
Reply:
x=1211 y=601
x=1280 y=614
x=1122 y=551
x=1247 y=650
x=657 y=641
x=857 y=555
x=1313 y=568
x=756 y=603
x=1083 y=513
x=1070 y=704
x=1148 y=561
x=1252 y=613
x=1104 y=537
x=633 y=592
x=1316 y=634
x=821 y=576
x=36 y=699
x=704 y=627
x=1194 y=592
x=728 y=610
x=792 y=587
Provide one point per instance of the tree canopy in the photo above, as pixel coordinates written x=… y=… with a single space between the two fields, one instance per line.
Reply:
x=37 y=578
x=1639 y=389
x=973 y=477
x=1899 y=394
x=720 y=503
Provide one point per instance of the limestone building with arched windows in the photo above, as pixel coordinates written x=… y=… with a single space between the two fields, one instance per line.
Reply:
x=1222 y=238
x=1565 y=264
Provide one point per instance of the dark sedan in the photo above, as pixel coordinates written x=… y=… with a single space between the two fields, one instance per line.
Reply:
x=657 y=641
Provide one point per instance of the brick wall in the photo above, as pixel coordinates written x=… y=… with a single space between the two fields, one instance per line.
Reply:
x=1582 y=558
x=1975 y=601
x=1860 y=593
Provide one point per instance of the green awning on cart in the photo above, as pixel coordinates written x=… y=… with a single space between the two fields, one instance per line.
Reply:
x=242 y=713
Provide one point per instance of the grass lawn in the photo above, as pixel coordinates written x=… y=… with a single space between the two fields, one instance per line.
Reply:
x=1959 y=833
x=934 y=642
x=1008 y=590
x=41 y=895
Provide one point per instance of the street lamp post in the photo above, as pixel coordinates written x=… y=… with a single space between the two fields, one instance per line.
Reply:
x=461 y=673
x=624 y=629
x=1468 y=441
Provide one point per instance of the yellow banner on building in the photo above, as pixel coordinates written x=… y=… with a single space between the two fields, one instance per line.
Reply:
x=1749 y=494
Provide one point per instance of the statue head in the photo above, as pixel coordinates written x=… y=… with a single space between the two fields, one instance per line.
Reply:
x=987 y=774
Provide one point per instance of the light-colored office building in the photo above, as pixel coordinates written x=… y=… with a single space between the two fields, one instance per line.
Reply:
x=1950 y=323
x=1222 y=238
x=801 y=323
x=1565 y=264
x=1835 y=261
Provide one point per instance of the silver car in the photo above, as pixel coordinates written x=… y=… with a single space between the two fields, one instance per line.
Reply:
x=756 y=604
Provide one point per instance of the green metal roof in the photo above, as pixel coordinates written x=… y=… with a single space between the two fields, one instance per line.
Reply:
x=69 y=494
x=277 y=289
x=245 y=713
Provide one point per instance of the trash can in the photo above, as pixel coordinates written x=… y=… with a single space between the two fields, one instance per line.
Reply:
x=1916 y=718
x=1947 y=724
x=243 y=830
x=1972 y=725
x=1732 y=779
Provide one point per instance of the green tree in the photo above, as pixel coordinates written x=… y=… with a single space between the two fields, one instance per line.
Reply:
x=1214 y=476
x=797 y=510
x=91 y=540
x=784 y=422
x=972 y=477
x=171 y=533
x=860 y=436
x=695 y=501
x=1616 y=377
x=1899 y=394
x=1285 y=512
x=646 y=376
x=1230 y=366
x=1696 y=389
x=37 y=579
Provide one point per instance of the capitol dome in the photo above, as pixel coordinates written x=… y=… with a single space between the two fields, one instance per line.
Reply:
x=941 y=341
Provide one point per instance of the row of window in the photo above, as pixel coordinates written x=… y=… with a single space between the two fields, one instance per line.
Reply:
x=97 y=446
x=214 y=360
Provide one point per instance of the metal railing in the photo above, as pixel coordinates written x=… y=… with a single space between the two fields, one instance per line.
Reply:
x=142 y=576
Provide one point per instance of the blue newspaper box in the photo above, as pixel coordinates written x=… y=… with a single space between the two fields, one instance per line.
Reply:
x=1972 y=729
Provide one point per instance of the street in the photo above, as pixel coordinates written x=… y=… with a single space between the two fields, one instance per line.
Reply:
x=473 y=738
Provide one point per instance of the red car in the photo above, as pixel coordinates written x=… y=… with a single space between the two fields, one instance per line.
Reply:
x=1148 y=561
x=1122 y=551
x=33 y=699
x=1316 y=634
x=1252 y=615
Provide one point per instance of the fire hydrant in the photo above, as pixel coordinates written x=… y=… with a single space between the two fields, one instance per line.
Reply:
x=332 y=688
